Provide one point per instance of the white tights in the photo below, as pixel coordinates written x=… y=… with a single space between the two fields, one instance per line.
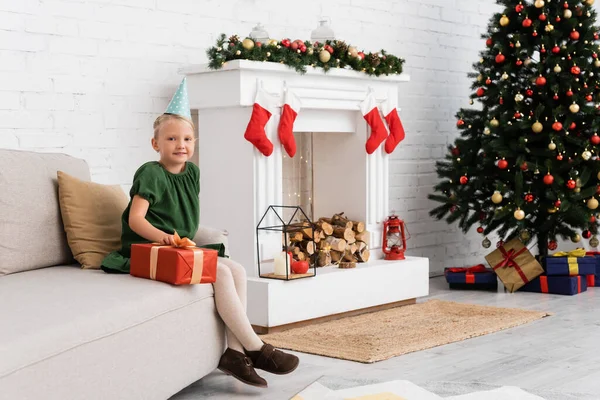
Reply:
x=230 y=298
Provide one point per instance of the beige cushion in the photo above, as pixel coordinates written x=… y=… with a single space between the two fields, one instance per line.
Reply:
x=91 y=214
x=29 y=211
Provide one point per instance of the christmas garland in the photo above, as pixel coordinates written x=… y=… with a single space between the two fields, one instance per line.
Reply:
x=300 y=54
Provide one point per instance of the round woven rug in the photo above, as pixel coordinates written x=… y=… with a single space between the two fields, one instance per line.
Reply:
x=384 y=334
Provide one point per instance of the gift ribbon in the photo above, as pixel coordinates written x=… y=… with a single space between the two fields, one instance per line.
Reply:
x=181 y=243
x=544 y=284
x=473 y=269
x=509 y=261
x=591 y=280
x=579 y=252
x=579 y=284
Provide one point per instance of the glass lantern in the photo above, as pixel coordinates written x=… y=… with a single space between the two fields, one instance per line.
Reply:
x=323 y=32
x=259 y=34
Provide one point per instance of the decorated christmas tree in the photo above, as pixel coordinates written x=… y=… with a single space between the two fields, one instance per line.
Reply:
x=526 y=161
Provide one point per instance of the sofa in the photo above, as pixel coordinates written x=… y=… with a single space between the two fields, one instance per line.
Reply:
x=72 y=333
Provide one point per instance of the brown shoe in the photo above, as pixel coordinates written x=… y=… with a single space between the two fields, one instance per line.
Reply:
x=240 y=367
x=269 y=359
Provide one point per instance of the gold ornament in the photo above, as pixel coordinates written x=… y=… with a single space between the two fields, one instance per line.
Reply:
x=310 y=51
x=592 y=203
x=552 y=146
x=574 y=108
x=237 y=53
x=537 y=127
x=598 y=176
x=479 y=78
x=539 y=3
x=487 y=131
x=552 y=210
x=268 y=54
x=577 y=190
x=594 y=241
x=586 y=155
x=589 y=2
x=324 y=56
x=568 y=13
x=525 y=235
x=497 y=197
x=505 y=75
x=597 y=63
x=518 y=44
x=494 y=123
x=519 y=214
x=576 y=238
x=272 y=42
x=352 y=51
x=504 y=20
x=248 y=44
x=549 y=28
x=519 y=97
x=557 y=68
x=528 y=61
x=486 y=243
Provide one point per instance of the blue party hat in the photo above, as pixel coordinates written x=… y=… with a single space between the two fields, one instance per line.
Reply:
x=180 y=103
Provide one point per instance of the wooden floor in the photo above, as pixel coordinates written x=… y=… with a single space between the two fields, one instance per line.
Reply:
x=557 y=355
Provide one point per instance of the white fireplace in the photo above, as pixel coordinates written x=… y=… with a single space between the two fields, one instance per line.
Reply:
x=238 y=183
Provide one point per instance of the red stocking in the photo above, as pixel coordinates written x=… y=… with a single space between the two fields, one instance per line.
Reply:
x=390 y=112
x=371 y=114
x=255 y=131
x=286 y=123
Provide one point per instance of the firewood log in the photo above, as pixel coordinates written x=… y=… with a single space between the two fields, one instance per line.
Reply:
x=308 y=247
x=348 y=256
x=358 y=226
x=317 y=236
x=364 y=236
x=336 y=256
x=296 y=237
x=347 y=264
x=324 y=258
x=335 y=243
x=344 y=233
x=325 y=227
x=363 y=256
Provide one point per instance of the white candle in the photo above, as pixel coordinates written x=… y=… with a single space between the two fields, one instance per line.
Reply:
x=280 y=263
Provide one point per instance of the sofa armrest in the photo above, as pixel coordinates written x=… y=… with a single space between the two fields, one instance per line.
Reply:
x=207 y=235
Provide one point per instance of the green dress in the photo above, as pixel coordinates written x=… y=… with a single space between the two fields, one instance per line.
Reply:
x=174 y=206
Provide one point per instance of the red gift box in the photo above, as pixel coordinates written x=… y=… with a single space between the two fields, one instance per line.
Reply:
x=175 y=265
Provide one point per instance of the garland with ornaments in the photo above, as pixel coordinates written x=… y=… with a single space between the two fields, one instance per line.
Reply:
x=299 y=55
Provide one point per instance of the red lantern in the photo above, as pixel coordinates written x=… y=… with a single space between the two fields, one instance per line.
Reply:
x=394 y=238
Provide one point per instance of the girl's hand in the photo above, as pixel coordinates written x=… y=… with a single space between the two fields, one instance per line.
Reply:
x=168 y=240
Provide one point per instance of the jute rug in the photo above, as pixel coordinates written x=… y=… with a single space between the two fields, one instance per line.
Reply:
x=385 y=334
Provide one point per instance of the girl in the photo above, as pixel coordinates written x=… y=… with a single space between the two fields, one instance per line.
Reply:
x=164 y=199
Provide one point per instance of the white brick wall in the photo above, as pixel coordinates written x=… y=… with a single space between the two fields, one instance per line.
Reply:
x=88 y=78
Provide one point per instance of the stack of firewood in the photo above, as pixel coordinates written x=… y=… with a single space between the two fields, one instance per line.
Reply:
x=336 y=240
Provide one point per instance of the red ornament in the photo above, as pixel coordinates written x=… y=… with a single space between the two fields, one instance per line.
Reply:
x=543 y=50
x=572 y=126
x=303 y=48
x=534 y=34
x=556 y=49
x=592 y=219
x=540 y=81
x=294 y=46
x=529 y=92
x=595 y=140
x=464 y=180
x=361 y=55
x=529 y=198
x=501 y=101
x=542 y=17
x=575 y=70
x=594 y=55
x=480 y=92
x=586 y=234
x=555 y=97
x=548 y=179
x=518 y=115
x=569 y=93
x=557 y=203
x=480 y=230
x=557 y=19
x=566 y=5
x=574 y=35
x=455 y=151
x=557 y=126
x=258 y=44
x=503 y=164
x=500 y=58
x=527 y=23
x=598 y=189
x=596 y=36
x=559 y=157
x=519 y=62
x=571 y=184
x=488 y=81
x=286 y=42
x=519 y=8
x=460 y=123
x=552 y=245
x=589 y=97
x=524 y=166
x=453 y=209
x=300 y=267
x=489 y=42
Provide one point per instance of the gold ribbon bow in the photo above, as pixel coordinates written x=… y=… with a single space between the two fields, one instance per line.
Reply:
x=179 y=243
x=571 y=259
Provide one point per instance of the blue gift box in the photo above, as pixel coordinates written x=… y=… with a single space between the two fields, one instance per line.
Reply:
x=568 y=285
x=571 y=266
x=486 y=279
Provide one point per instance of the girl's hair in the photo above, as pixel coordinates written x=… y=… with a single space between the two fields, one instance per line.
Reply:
x=165 y=117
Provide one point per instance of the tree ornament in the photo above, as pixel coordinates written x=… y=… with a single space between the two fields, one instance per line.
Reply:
x=574 y=35
x=555 y=97
x=486 y=131
x=480 y=92
x=571 y=184
x=595 y=139
x=524 y=166
x=589 y=2
x=539 y=3
x=540 y=81
x=594 y=241
x=534 y=33
x=518 y=44
x=494 y=123
x=557 y=203
x=519 y=62
x=525 y=235
x=527 y=23
x=597 y=63
x=480 y=230
x=598 y=176
x=488 y=81
x=519 y=97
x=574 y=108
x=552 y=210
x=552 y=146
x=455 y=151
x=559 y=157
x=500 y=58
x=567 y=14
x=586 y=155
x=497 y=197
x=460 y=123
x=586 y=234
x=537 y=127
x=557 y=126
x=503 y=164
x=248 y=44
x=519 y=7
x=504 y=21
x=505 y=75
x=548 y=179
x=549 y=28
x=592 y=203
x=575 y=70
x=519 y=214
x=486 y=243
x=529 y=92
x=592 y=219
x=557 y=69
x=489 y=42
x=569 y=93
x=552 y=245
x=464 y=180
x=529 y=198
x=324 y=56
x=542 y=17
x=576 y=238
x=556 y=50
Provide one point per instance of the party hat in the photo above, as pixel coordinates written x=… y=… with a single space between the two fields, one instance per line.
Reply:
x=180 y=103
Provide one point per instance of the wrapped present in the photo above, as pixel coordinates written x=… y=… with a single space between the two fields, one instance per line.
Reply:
x=570 y=263
x=514 y=264
x=596 y=255
x=476 y=277
x=568 y=285
x=593 y=280
x=182 y=264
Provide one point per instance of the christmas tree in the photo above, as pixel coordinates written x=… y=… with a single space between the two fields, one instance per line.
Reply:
x=526 y=161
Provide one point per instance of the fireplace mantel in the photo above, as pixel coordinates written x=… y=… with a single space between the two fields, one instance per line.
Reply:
x=238 y=183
